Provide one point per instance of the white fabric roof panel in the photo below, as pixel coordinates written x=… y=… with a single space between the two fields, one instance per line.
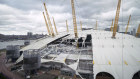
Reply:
x=85 y=57
x=61 y=57
x=73 y=56
x=42 y=42
x=119 y=56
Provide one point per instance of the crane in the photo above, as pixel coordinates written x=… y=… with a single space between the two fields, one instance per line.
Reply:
x=74 y=19
x=49 y=21
x=55 y=26
x=46 y=24
x=111 y=26
x=138 y=31
x=127 y=25
x=81 y=25
x=67 y=26
x=116 y=19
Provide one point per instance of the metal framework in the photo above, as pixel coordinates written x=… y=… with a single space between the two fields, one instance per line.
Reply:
x=138 y=31
x=74 y=19
x=55 y=26
x=116 y=19
x=127 y=25
x=46 y=24
x=49 y=21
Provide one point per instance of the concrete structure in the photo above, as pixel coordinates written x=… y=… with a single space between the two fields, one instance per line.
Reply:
x=12 y=52
x=31 y=60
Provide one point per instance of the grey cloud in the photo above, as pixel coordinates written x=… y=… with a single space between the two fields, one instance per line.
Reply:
x=26 y=15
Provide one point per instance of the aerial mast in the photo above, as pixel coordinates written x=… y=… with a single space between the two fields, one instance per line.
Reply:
x=46 y=24
x=55 y=26
x=127 y=25
x=74 y=19
x=116 y=19
x=49 y=21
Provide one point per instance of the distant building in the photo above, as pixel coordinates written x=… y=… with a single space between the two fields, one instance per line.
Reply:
x=118 y=28
x=107 y=29
x=133 y=32
x=29 y=34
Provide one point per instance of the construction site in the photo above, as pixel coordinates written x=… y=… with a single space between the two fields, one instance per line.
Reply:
x=85 y=53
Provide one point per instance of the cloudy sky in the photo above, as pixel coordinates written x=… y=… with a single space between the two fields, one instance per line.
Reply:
x=21 y=16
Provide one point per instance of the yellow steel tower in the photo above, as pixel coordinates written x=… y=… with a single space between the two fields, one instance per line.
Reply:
x=67 y=26
x=74 y=19
x=127 y=25
x=49 y=21
x=116 y=19
x=138 y=31
x=81 y=25
x=111 y=26
x=55 y=26
x=96 y=25
x=46 y=24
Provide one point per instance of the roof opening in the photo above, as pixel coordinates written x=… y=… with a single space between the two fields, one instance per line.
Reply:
x=136 y=75
x=104 y=75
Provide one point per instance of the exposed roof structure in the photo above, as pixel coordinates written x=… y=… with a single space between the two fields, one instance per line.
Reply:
x=119 y=57
x=41 y=43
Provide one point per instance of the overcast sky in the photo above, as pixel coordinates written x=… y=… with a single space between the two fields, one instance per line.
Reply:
x=22 y=16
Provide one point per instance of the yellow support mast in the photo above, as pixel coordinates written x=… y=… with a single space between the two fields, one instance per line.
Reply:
x=74 y=19
x=127 y=25
x=49 y=21
x=81 y=25
x=96 y=25
x=116 y=19
x=46 y=24
x=138 y=31
x=111 y=26
x=55 y=26
x=67 y=26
